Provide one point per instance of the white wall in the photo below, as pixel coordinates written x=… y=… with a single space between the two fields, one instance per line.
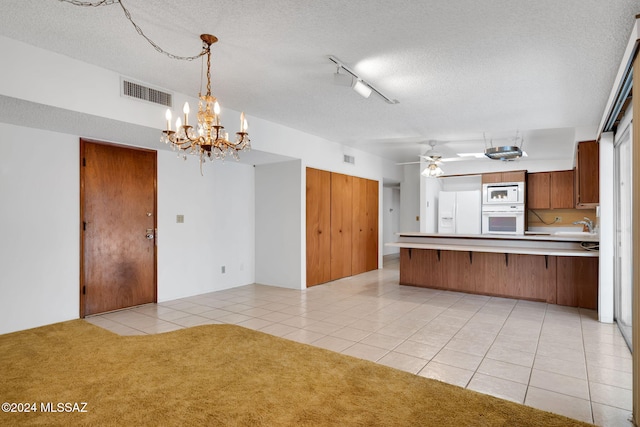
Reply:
x=219 y=208
x=218 y=228
x=40 y=241
x=430 y=189
x=278 y=224
x=39 y=228
x=410 y=199
x=607 y=229
x=391 y=220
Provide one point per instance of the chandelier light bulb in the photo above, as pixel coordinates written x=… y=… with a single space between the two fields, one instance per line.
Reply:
x=186 y=110
x=246 y=126
x=167 y=115
x=178 y=124
x=216 y=108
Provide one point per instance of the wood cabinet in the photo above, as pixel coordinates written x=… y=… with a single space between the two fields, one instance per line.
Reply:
x=342 y=226
x=513 y=176
x=550 y=190
x=569 y=281
x=577 y=282
x=587 y=175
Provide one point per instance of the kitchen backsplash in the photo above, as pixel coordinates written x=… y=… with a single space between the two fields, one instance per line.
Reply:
x=545 y=217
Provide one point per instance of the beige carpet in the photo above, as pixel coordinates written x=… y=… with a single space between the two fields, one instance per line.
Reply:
x=226 y=375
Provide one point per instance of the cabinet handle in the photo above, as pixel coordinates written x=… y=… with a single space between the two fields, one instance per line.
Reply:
x=506 y=259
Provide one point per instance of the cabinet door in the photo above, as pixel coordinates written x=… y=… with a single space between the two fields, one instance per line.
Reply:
x=359 y=227
x=488 y=178
x=578 y=282
x=341 y=225
x=587 y=174
x=515 y=176
x=538 y=190
x=561 y=190
x=372 y=225
x=318 y=226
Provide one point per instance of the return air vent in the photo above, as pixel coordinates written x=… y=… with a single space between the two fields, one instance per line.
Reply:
x=145 y=93
x=349 y=159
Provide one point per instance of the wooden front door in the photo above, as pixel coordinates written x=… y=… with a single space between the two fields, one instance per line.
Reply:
x=118 y=222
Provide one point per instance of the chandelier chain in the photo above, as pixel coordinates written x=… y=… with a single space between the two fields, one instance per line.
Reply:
x=127 y=14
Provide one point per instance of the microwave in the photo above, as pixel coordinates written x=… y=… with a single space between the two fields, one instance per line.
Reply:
x=503 y=193
x=503 y=219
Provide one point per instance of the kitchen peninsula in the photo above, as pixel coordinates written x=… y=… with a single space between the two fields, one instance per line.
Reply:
x=555 y=268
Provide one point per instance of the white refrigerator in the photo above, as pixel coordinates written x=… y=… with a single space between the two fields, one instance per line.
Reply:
x=460 y=212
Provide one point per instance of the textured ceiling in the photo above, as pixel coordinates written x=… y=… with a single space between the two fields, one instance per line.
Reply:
x=458 y=68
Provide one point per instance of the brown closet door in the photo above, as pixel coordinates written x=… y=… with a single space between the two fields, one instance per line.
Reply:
x=118 y=221
x=341 y=229
x=372 y=225
x=359 y=228
x=318 y=226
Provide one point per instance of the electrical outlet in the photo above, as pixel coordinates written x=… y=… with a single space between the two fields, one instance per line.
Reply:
x=558 y=219
x=223 y=269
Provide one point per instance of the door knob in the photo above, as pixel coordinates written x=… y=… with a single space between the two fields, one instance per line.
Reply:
x=149 y=234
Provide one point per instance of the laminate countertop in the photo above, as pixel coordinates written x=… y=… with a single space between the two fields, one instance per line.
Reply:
x=564 y=244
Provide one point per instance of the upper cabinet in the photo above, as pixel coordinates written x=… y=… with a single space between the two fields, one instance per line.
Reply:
x=550 y=190
x=587 y=175
x=514 y=176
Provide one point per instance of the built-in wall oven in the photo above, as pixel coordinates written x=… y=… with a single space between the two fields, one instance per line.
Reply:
x=503 y=219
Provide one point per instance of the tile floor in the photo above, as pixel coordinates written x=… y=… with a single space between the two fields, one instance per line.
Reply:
x=555 y=358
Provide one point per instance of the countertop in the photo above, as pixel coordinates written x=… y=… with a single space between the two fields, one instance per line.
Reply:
x=528 y=244
x=530 y=236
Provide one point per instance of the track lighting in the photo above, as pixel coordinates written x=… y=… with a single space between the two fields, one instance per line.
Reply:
x=363 y=87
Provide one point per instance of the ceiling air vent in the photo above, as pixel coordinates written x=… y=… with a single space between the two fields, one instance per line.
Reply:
x=145 y=93
x=349 y=159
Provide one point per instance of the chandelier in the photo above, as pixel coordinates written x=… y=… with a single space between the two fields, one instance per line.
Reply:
x=208 y=139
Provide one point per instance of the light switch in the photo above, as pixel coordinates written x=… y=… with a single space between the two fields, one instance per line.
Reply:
x=180 y=219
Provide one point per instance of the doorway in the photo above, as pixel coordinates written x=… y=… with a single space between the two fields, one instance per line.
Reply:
x=118 y=227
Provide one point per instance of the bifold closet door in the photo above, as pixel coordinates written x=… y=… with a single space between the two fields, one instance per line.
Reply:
x=360 y=227
x=341 y=225
x=372 y=225
x=318 y=226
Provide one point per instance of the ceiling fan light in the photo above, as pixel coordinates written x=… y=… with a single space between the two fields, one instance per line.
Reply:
x=432 y=170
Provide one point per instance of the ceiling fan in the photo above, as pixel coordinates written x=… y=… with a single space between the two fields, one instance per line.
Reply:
x=504 y=153
x=434 y=157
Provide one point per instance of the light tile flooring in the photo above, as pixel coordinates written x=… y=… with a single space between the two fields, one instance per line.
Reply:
x=550 y=357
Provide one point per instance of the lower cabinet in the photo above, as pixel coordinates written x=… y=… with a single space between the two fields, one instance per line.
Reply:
x=569 y=281
x=576 y=284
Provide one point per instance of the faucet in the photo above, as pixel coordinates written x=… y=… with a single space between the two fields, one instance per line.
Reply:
x=586 y=222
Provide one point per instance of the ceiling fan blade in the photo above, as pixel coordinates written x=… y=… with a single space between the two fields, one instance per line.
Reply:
x=407 y=163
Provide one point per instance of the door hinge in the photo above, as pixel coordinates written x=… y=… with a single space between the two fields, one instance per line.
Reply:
x=84 y=290
x=84 y=161
x=84 y=226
